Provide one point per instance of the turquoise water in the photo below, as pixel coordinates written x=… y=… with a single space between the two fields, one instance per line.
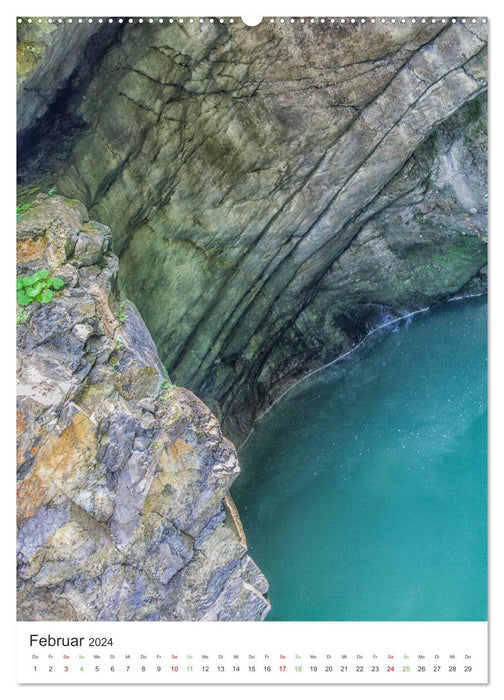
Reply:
x=363 y=490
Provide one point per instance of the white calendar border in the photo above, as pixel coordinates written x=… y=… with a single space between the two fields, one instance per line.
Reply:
x=272 y=8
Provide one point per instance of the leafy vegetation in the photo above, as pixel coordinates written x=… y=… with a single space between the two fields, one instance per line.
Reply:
x=21 y=316
x=121 y=315
x=20 y=209
x=37 y=287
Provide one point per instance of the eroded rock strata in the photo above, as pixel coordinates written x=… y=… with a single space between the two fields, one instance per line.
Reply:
x=123 y=504
x=276 y=191
x=273 y=194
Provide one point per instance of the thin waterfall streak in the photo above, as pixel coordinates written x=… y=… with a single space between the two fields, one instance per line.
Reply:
x=346 y=354
x=349 y=352
x=337 y=359
x=466 y=296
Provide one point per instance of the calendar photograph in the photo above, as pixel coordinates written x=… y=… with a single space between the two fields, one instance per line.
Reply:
x=251 y=316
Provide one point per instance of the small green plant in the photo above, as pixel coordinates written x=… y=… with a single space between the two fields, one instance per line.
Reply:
x=120 y=314
x=21 y=316
x=37 y=287
x=119 y=343
x=20 y=209
x=166 y=389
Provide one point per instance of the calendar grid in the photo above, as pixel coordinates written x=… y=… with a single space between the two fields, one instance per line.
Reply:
x=332 y=652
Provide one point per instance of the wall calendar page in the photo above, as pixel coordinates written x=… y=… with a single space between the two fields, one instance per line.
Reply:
x=251 y=316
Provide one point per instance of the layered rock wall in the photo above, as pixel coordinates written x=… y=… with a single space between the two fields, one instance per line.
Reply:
x=272 y=189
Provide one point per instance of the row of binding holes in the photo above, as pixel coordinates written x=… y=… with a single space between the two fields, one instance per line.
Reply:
x=374 y=20
x=120 y=20
x=282 y=20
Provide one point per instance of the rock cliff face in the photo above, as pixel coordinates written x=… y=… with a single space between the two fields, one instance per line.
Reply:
x=123 y=504
x=273 y=194
x=276 y=191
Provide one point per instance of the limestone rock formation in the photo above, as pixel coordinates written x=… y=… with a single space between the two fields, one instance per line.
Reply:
x=123 y=504
x=276 y=191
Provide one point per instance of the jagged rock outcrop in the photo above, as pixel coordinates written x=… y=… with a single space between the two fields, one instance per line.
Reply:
x=276 y=191
x=123 y=504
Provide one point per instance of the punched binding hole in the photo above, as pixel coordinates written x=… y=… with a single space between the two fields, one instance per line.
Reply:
x=251 y=21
